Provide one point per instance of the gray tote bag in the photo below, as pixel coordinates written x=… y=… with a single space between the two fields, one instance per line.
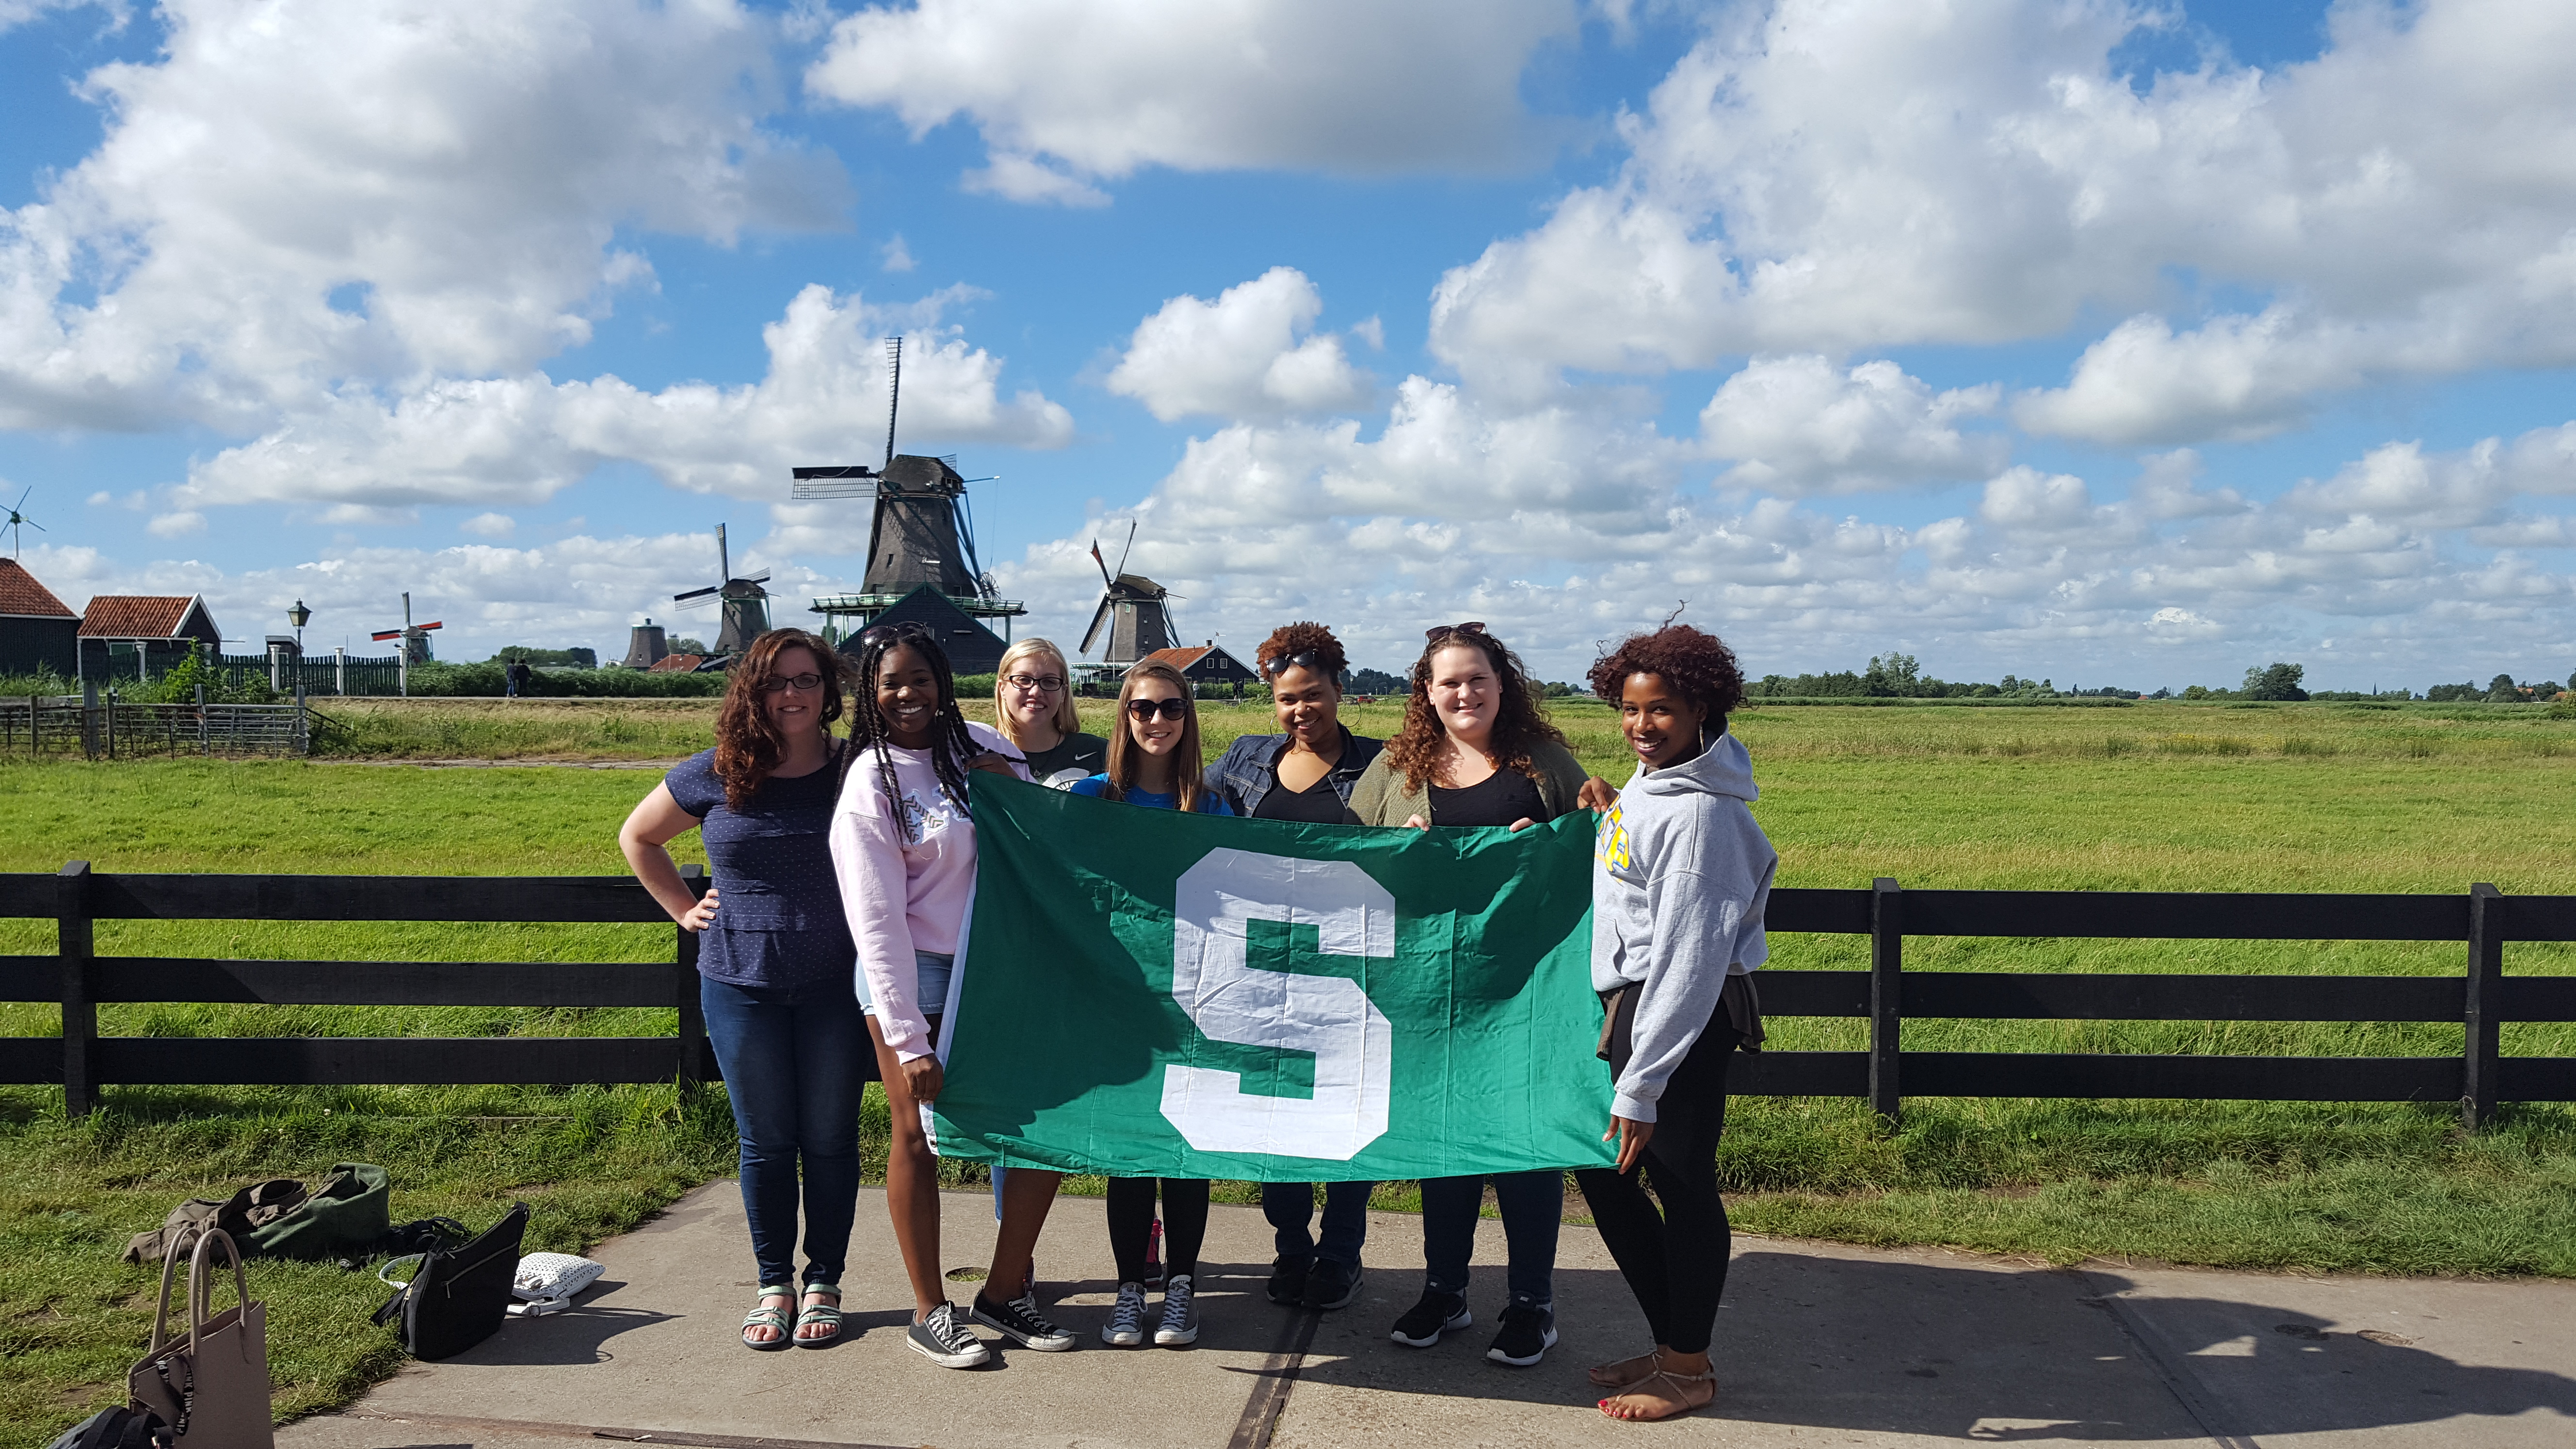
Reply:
x=212 y=1385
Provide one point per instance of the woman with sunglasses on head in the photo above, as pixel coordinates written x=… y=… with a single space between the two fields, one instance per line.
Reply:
x=1681 y=875
x=774 y=960
x=1154 y=762
x=1305 y=773
x=1475 y=750
x=1033 y=704
x=903 y=846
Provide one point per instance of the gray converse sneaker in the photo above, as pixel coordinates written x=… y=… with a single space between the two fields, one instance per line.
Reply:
x=1020 y=1322
x=944 y=1340
x=1180 y=1324
x=1126 y=1325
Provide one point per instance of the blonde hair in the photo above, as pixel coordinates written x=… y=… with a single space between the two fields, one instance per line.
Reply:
x=1126 y=758
x=1068 y=719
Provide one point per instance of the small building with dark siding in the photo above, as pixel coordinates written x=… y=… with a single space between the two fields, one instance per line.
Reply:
x=1206 y=664
x=971 y=648
x=140 y=636
x=38 y=632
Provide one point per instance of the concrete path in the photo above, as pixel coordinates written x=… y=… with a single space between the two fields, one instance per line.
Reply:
x=1818 y=1344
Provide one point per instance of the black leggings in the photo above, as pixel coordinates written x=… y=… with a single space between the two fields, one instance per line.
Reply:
x=1675 y=1261
x=1131 y=1224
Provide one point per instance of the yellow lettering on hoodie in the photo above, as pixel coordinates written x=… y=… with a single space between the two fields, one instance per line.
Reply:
x=1610 y=843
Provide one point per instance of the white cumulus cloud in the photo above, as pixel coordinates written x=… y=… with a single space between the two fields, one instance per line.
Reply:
x=1800 y=425
x=1250 y=353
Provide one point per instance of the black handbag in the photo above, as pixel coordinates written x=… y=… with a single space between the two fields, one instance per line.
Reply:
x=118 y=1428
x=456 y=1298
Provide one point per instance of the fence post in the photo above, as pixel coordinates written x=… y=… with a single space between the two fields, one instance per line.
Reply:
x=80 y=1014
x=2486 y=1005
x=201 y=720
x=1886 y=1013
x=89 y=717
x=303 y=736
x=693 y=1021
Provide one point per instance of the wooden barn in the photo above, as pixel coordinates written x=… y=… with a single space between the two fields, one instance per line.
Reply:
x=38 y=634
x=971 y=648
x=1204 y=665
x=140 y=636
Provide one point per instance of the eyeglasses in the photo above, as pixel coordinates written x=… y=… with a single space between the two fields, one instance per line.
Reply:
x=805 y=683
x=1035 y=683
x=1308 y=660
x=1173 y=708
x=1474 y=626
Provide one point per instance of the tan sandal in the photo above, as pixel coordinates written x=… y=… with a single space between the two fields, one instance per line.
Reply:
x=1681 y=1396
x=1609 y=1375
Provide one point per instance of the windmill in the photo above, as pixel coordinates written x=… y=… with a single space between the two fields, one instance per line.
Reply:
x=1132 y=611
x=923 y=533
x=415 y=644
x=19 y=523
x=746 y=603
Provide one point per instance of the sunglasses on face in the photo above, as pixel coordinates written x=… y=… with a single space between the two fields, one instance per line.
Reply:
x=1173 y=708
x=1035 y=683
x=1473 y=626
x=806 y=683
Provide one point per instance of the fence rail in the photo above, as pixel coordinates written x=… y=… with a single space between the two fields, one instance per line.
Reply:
x=2481 y=998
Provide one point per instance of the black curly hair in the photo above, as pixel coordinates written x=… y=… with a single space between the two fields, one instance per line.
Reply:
x=1697 y=665
x=950 y=745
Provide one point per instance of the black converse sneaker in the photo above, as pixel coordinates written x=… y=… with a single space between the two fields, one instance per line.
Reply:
x=1437 y=1313
x=1020 y=1322
x=1180 y=1326
x=944 y=1339
x=1288 y=1281
x=1528 y=1332
x=1126 y=1325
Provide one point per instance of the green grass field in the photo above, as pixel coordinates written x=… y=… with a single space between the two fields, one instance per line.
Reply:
x=2176 y=797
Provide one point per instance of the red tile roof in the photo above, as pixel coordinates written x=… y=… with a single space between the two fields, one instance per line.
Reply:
x=135 y=616
x=21 y=594
x=1180 y=659
x=676 y=664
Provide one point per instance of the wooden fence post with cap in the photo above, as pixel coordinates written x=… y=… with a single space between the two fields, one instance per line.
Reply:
x=1886 y=1009
x=80 y=1013
x=696 y=1057
x=2485 y=1016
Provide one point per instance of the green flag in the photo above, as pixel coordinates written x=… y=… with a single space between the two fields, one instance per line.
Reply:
x=1145 y=993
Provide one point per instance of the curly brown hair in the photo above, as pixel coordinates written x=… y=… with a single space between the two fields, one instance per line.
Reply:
x=1286 y=642
x=748 y=746
x=1695 y=663
x=1518 y=725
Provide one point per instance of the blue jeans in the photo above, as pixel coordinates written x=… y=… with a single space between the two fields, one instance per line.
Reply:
x=794 y=1061
x=1291 y=1205
x=1532 y=1202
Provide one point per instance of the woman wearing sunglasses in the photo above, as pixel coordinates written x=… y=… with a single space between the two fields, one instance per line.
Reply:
x=1033 y=704
x=903 y=846
x=1475 y=750
x=1304 y=773
x=1154 y=762
x=773 y=965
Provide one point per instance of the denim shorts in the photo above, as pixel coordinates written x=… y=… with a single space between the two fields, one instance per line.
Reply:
x=931 y=995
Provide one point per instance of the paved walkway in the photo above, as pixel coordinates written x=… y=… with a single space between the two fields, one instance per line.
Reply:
x=1818 y=1344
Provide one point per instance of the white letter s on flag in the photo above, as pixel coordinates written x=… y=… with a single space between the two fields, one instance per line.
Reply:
x=1331 y=1016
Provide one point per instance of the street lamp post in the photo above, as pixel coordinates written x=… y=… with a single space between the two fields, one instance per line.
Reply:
x=299 y=616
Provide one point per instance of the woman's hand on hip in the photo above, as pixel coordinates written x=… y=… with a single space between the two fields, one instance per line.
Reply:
x=923 y=1079
x=1633 y=1136
x=697 y=916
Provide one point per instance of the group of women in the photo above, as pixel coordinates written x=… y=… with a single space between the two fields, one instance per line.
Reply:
x=860 y=848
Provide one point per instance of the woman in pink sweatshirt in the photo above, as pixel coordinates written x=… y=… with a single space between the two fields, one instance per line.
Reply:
x=903 y=848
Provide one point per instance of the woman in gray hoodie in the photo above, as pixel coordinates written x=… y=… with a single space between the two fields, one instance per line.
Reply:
x=1681 y=875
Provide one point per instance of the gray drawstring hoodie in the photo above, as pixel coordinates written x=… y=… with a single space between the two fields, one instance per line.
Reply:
x=1677 y=898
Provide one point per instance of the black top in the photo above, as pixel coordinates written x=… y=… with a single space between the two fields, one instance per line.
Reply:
x=1083 y=754
x=1499 y=799
x=1317 y=804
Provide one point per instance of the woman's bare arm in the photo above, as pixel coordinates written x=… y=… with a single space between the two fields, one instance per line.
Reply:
x=655 y=824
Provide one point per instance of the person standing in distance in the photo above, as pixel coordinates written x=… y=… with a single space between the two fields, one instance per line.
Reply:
x=903 y=847
x=774 y=964
x=1681 y=875
x=1305 y=773
x=1033 y=703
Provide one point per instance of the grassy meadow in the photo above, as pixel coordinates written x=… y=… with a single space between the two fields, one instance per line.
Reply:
x=2163 y=796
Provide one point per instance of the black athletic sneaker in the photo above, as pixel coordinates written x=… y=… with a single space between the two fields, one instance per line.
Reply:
x=1330 y=1284
x=1020 y=1322
x=1528 y=1332
x=1437 y=1313
x=945 y=1340
x=1288 y=1281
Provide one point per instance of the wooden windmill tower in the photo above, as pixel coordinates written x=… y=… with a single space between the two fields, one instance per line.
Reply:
x=746 y=603
x=1133 y=614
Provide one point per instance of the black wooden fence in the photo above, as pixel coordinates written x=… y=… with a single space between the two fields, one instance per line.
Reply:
x=2482 y=997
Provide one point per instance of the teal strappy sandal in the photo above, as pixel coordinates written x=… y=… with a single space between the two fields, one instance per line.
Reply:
x=827 y=1315
x=773 y=1319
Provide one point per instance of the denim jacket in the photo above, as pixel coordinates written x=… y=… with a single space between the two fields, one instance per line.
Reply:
x=1249 y=769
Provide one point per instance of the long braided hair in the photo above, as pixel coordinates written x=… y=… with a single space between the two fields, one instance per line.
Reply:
x=950 y=745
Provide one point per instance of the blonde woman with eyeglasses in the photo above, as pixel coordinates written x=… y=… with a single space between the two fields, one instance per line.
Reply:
x=1033 y=703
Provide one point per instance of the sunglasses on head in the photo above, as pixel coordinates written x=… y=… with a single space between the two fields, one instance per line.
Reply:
x=1307 y=660
x=888 y=633
x=1173 y=708
x=1473 y=626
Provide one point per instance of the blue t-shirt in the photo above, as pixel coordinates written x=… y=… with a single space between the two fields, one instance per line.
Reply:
x=778 y=918
x=1210 y=803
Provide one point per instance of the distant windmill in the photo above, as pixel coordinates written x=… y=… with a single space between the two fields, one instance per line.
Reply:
x=746 y=603
x=415 y=644
x=19 y=523
x=1132 y=611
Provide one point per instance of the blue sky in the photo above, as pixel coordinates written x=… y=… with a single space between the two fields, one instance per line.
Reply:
x=2112 y=344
